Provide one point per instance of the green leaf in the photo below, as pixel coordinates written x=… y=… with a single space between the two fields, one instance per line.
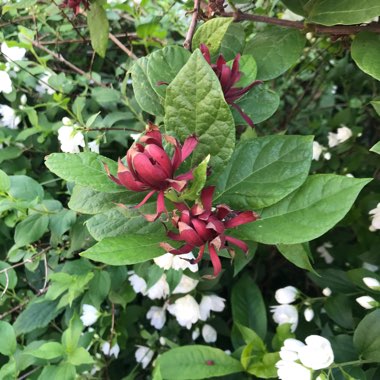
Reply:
x=71 y=336
x=85 y=169
x=9 y=281
x=283 y=332
x=9 y=153
x=296 y=6
x=365 y=51
x=297 y=254
x=233 y=41
x=31 y=229
x=259 y=104
x=347 y=12
x=106 y=96
x=164 y=65
x=25 y=188
x=126 y=249
x=196 y=362
x=5 y=182
x=61 y=222
x=8 y=342
x=115 y=222
x=248 y=69
x=264 y=170
x=80 y=356
x=240 y=261
x=376 y=105
x=211 y=34
x=307 y=213
x=48 y=351
x=367 y=337
x=145 y=95
x=249 y=336
x=99 y=28
x=275 y=50
x=88 y=201
x=37 y=314
x=266 y=367
x=195 y=105
x=248 y=307
x=64 y=371
x=339 y=309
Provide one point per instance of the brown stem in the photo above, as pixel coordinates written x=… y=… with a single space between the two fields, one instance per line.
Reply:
x=110 y=129
x=335 y=30
x=117 y=42
x=193 y=24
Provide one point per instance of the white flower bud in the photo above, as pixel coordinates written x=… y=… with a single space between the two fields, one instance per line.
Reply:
x=195 y=334
x=109 y=351
x=327 y=292
x=157 y=317
x=308 y=314
x=67 y=121
x=209 y=334
x=367 y=302
x=144 y=355
x=285 y=314
x=23 y=99
x=286 y=295
x=372 y=283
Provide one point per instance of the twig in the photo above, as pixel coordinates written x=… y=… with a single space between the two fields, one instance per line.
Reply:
x=335 y=30
x=131 y=36
x=117 y=42
x=193 y=24
x=109 y=129
x=46 y=274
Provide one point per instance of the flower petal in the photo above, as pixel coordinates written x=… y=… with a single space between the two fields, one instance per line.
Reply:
x=149 y=173
x=189 y=234
x=160 y=208
x=242 y=218
x=161 y=157
x=206 y=197
x=188 y=146
x=215 y=260
x=239 y=243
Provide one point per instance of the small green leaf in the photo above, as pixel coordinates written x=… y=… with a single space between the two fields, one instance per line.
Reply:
x=297 y=254
x=64 y=371
x=8 y=342
x=266 y=367
x=25 y=188
x=80 y=356
x=9 y=278
x=48 y=351
x=275 y=50
x=5 y=182
x=211 y=34
x=85 y=169
x=376 y=105
x=365 y=51
x=367 y=337
x=126 y=249
x=99 y=28
x=196 y=362
x=31 y=229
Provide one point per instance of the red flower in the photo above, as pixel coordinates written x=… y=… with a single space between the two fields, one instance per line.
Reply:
x=228 y=77
x=75 y=5
x=150 y=168
x=201 y=226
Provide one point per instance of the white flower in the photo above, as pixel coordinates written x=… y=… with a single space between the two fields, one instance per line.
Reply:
x=324 y=253
x=8 y=117
x=372 y=283
x=5 y=82
x=285 y=314
x=109 y=351
x=138 y=283
x=289 y=351
x=162 y=341
x=94 y=146
x=186 y=311
x=317 y=353
x=289 y=15
x=13 y=53
x=211 y=303
x=177 y=262
x=157 y=317
x=308 y=314
x=288 y=370
x=209 y=334
x=327 y=156
x=375 y=222
x=317 y=150
x=186 y=285
x=90 y=315
x=159 y=290
x=367 y=302
x=286 y=295
x=66 y=121
x=43 y=84
x=343 y=134
x=144 y=355
x=164 y=261
x=70 y=139
x=135 y=136
x=23 y=99
x=195 y=334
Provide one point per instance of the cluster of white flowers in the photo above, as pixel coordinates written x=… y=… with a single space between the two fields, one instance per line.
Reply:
x=369 y=302
x=298 y=360
x=13 y=53
x=343 y=134
x=375 y=218
x=285 y=313
x=8 y=117
x=71 y=139
x=109 y=350
x=318 y=149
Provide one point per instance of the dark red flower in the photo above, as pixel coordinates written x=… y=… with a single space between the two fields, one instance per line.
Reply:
x=151 y=169
x=75 y=5
x=228 y=77
x=201 y=226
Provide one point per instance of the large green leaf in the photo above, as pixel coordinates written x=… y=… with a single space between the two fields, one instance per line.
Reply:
x=99 y=28
x=164 y=65
x=307 y=213
x=145 y=95
x=196 y=362
x=259 y=104
x=233 y=41
x=195 y=105
x=297 y=254
x=126 y=249
x=327 y=12
x=264 y=170
x=248 y=307
x=275 y=50
x=114 y=223
x=365 y=51
x=31 y=229
x=25 y=188
x=296 y=6
x=85 y=169
x=367 y=337
x=8 y=342
x=88 y=201
x=211 y=34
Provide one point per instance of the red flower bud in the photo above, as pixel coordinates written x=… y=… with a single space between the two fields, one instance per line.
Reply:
x=151 y=168
x=75 y=5
x=201 y=226
x=228 y=77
